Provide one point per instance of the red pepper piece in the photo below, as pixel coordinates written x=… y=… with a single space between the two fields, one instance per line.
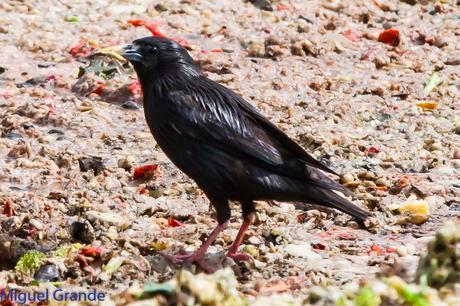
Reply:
x=144 y=172
x=90 y=251
x=80 y=50
x=376 y=250
x=351 y=36
x=135 y=88
x=173 y=222
x=153 y=28
x=100 y=88
x=389 y=37
x=8 y=209
x=281 y=7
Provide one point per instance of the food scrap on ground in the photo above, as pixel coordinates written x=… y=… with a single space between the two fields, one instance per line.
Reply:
x=390 y=37
x=418 y=211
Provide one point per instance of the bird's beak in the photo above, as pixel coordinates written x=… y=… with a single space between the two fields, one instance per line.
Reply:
x=122 y=53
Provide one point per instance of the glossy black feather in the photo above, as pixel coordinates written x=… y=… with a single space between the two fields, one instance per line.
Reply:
x=231 y=150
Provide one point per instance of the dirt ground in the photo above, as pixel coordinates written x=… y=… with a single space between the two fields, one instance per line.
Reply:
x=385 y=114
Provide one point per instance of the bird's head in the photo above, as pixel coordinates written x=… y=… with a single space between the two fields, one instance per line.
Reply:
x=152 y=56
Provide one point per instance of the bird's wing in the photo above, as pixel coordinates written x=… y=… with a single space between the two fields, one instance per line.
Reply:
x=279 y=135
x=219 y=124
x=218 y=117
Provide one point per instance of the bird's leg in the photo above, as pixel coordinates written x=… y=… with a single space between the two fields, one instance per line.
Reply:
x=198 y=254
x=249 y=216
x=223 y=215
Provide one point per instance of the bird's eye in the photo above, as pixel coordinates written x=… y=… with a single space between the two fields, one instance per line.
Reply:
x=153 y=50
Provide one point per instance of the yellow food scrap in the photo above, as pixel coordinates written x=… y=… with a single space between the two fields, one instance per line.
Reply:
x=428 y=105
x=159 y=246
x=417 y=210
x=415 y=207
x=112 y=52
x=92 y=43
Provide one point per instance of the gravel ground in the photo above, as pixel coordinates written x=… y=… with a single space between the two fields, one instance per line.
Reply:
x=386 y=114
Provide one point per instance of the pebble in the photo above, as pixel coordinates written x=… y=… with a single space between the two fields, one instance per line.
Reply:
x=456 y=129
x=254 y=240
x=13 y=136
x=366 y=175
x=56 y=131
x=130 y=105
x=410 y=249
x=108 y=217
x=259 y=264
x=87 y=163
x=443 y=170
x=436 y=153
x=256 y=48
x=37 y=224
x=402 y=250
x=11 y=224
x=302 y=26
x=456 y=154
x=94 y=184
x=347 y=178
x=130 y=190
x=47 y=273
x=104 y=276
x=453 y=59
x=112 y=183
x=274 y=50
x=456 y=163
x=286 y=207
x=369 y=184
x=82 y=231
x=436 y=146
x=297 y=49
x=161 y=7
x=381 y=61
x=261 y=216
x=382 y=182
x=272 y=257
x=301 y=250
x=112 y=233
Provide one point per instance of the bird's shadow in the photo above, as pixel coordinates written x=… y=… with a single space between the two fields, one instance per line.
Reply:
x=306 y=206
x=210 y=264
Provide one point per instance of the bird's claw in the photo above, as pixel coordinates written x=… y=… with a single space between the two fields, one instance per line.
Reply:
x=179 y=259
x=240 y=256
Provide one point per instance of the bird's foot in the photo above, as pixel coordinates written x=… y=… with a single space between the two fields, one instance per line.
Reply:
x=240 y=256
x=178 y=259
x=198 y=258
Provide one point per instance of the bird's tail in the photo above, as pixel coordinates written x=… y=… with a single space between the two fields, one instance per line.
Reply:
x=332 y=199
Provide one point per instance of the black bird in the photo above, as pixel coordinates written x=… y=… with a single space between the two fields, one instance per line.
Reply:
x=222 y=142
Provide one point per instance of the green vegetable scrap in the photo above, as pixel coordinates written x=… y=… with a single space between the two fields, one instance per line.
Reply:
x=72 y=19
x=114 y=264
x=105 y=67
x=367 y=297
x=432 y=83
x=65 y=250
x=30 y=261
x=409 y=295
x=441 y=265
